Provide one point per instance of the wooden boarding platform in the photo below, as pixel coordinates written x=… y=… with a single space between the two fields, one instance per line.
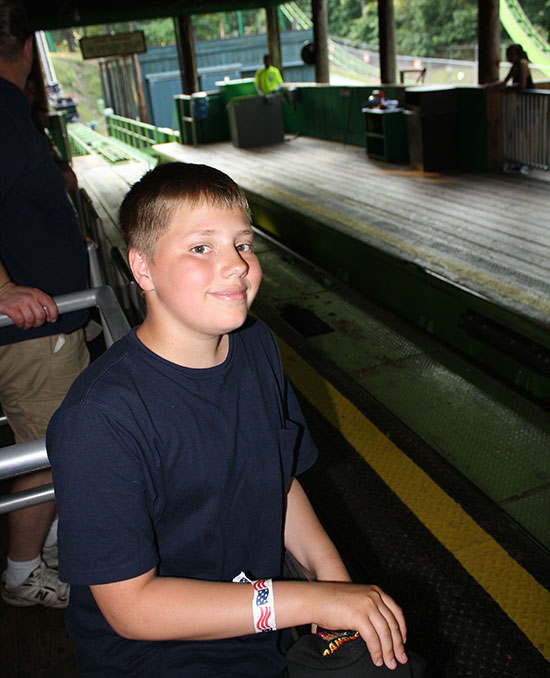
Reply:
x=487 y=232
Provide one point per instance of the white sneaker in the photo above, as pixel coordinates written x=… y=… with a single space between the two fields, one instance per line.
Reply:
x=41 y=587
x=50 y=557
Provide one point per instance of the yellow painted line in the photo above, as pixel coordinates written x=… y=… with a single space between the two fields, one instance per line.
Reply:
x=521 y=597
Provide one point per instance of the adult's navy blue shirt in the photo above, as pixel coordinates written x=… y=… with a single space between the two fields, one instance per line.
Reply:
x=186 y=470
x=40 y=241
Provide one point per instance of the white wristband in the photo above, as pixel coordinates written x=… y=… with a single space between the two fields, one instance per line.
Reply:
x=263 y=607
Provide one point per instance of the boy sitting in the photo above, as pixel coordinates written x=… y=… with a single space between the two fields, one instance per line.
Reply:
x=174 y=459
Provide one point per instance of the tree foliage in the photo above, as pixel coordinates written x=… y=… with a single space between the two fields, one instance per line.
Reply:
x=228 y=24
x=538 y=12
x=431 y=27
x=423 y=27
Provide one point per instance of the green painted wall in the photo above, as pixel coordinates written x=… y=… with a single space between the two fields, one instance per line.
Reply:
x=334 y=113
x=214 y=128
x=331 y=112
x=472 y=128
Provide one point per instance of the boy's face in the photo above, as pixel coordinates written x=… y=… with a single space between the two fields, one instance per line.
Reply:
x=204 y=275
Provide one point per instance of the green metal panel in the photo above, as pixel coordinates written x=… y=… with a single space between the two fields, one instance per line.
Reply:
x=334 y=113
x=236 y=88
x=331 y=112
x=386 y=133
x=215 y=127
x=472 y=128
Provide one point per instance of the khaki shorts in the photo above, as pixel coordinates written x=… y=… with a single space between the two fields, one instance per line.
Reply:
x=35 y=376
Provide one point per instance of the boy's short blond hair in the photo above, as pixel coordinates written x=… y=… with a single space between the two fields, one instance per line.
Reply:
x=146 y=210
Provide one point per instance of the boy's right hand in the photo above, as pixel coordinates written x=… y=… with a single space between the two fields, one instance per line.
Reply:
x=366 y=609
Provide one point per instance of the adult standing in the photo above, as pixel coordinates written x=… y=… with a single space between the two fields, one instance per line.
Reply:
x=519 y=73
x=41 y=255
x=268 y=78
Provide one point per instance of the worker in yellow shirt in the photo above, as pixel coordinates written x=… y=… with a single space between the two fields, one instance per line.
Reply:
x=267 y=79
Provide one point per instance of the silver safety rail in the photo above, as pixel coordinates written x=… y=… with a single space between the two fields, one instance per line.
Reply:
x=31 y=456
x=526 y=127
x=91 y=228
x=107 y=263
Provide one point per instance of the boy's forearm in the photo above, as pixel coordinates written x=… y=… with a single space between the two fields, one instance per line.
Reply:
x=180 y=609
x=166 y=608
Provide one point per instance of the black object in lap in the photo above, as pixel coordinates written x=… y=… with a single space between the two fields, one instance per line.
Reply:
x=343 y=654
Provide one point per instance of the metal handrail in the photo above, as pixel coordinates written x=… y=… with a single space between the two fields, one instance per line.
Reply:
x=116 y=325
x=16 y=460
x=96 y=276
x=525 y=127
x=31 y=456
x=26 y=498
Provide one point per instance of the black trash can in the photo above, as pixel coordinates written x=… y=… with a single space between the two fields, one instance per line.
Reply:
x=432 y=121
x=256 y=120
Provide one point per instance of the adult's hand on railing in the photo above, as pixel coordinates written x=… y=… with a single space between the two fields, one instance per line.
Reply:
x=26 y=306
x=114 y=321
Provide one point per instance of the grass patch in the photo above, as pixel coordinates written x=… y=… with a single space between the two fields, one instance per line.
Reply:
x=80 y=79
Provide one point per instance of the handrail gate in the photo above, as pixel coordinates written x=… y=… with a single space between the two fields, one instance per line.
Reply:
x=526 y=128
x=31 y=456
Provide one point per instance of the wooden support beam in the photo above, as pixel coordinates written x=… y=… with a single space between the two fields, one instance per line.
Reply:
x=386 y=32
x=274 y=37
x=495 y=157
x=488 y=23
x=320 y=39
x=186 y=54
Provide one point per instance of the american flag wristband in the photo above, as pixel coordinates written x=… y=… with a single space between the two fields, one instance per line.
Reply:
x=263 y=607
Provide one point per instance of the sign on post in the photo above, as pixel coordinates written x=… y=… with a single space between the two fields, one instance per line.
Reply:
x=113 y=45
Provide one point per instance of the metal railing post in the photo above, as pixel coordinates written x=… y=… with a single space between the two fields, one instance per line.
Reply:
x=116 y=325
x=32 y=456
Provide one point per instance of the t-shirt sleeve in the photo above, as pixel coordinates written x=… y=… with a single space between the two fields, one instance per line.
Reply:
x=278 y=78
x=104 y=498
x=306 y=452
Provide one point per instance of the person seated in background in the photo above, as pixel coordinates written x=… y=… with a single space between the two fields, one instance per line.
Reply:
x=519 y=73
x=175 y=458
x=268 y=78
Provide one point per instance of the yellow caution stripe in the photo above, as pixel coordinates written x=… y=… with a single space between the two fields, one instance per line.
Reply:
x=521 y=597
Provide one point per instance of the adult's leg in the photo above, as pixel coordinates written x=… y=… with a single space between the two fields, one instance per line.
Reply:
x=35 y=376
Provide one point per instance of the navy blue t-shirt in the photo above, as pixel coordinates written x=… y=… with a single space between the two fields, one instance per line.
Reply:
x=186 y=470
x=40 y=241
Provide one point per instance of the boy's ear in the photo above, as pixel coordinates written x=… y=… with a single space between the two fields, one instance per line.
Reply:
x=140 y=268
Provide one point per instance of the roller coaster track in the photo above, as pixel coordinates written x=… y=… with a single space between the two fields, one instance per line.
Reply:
x=294 y=14
x=520 y=29
x=345 y=58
